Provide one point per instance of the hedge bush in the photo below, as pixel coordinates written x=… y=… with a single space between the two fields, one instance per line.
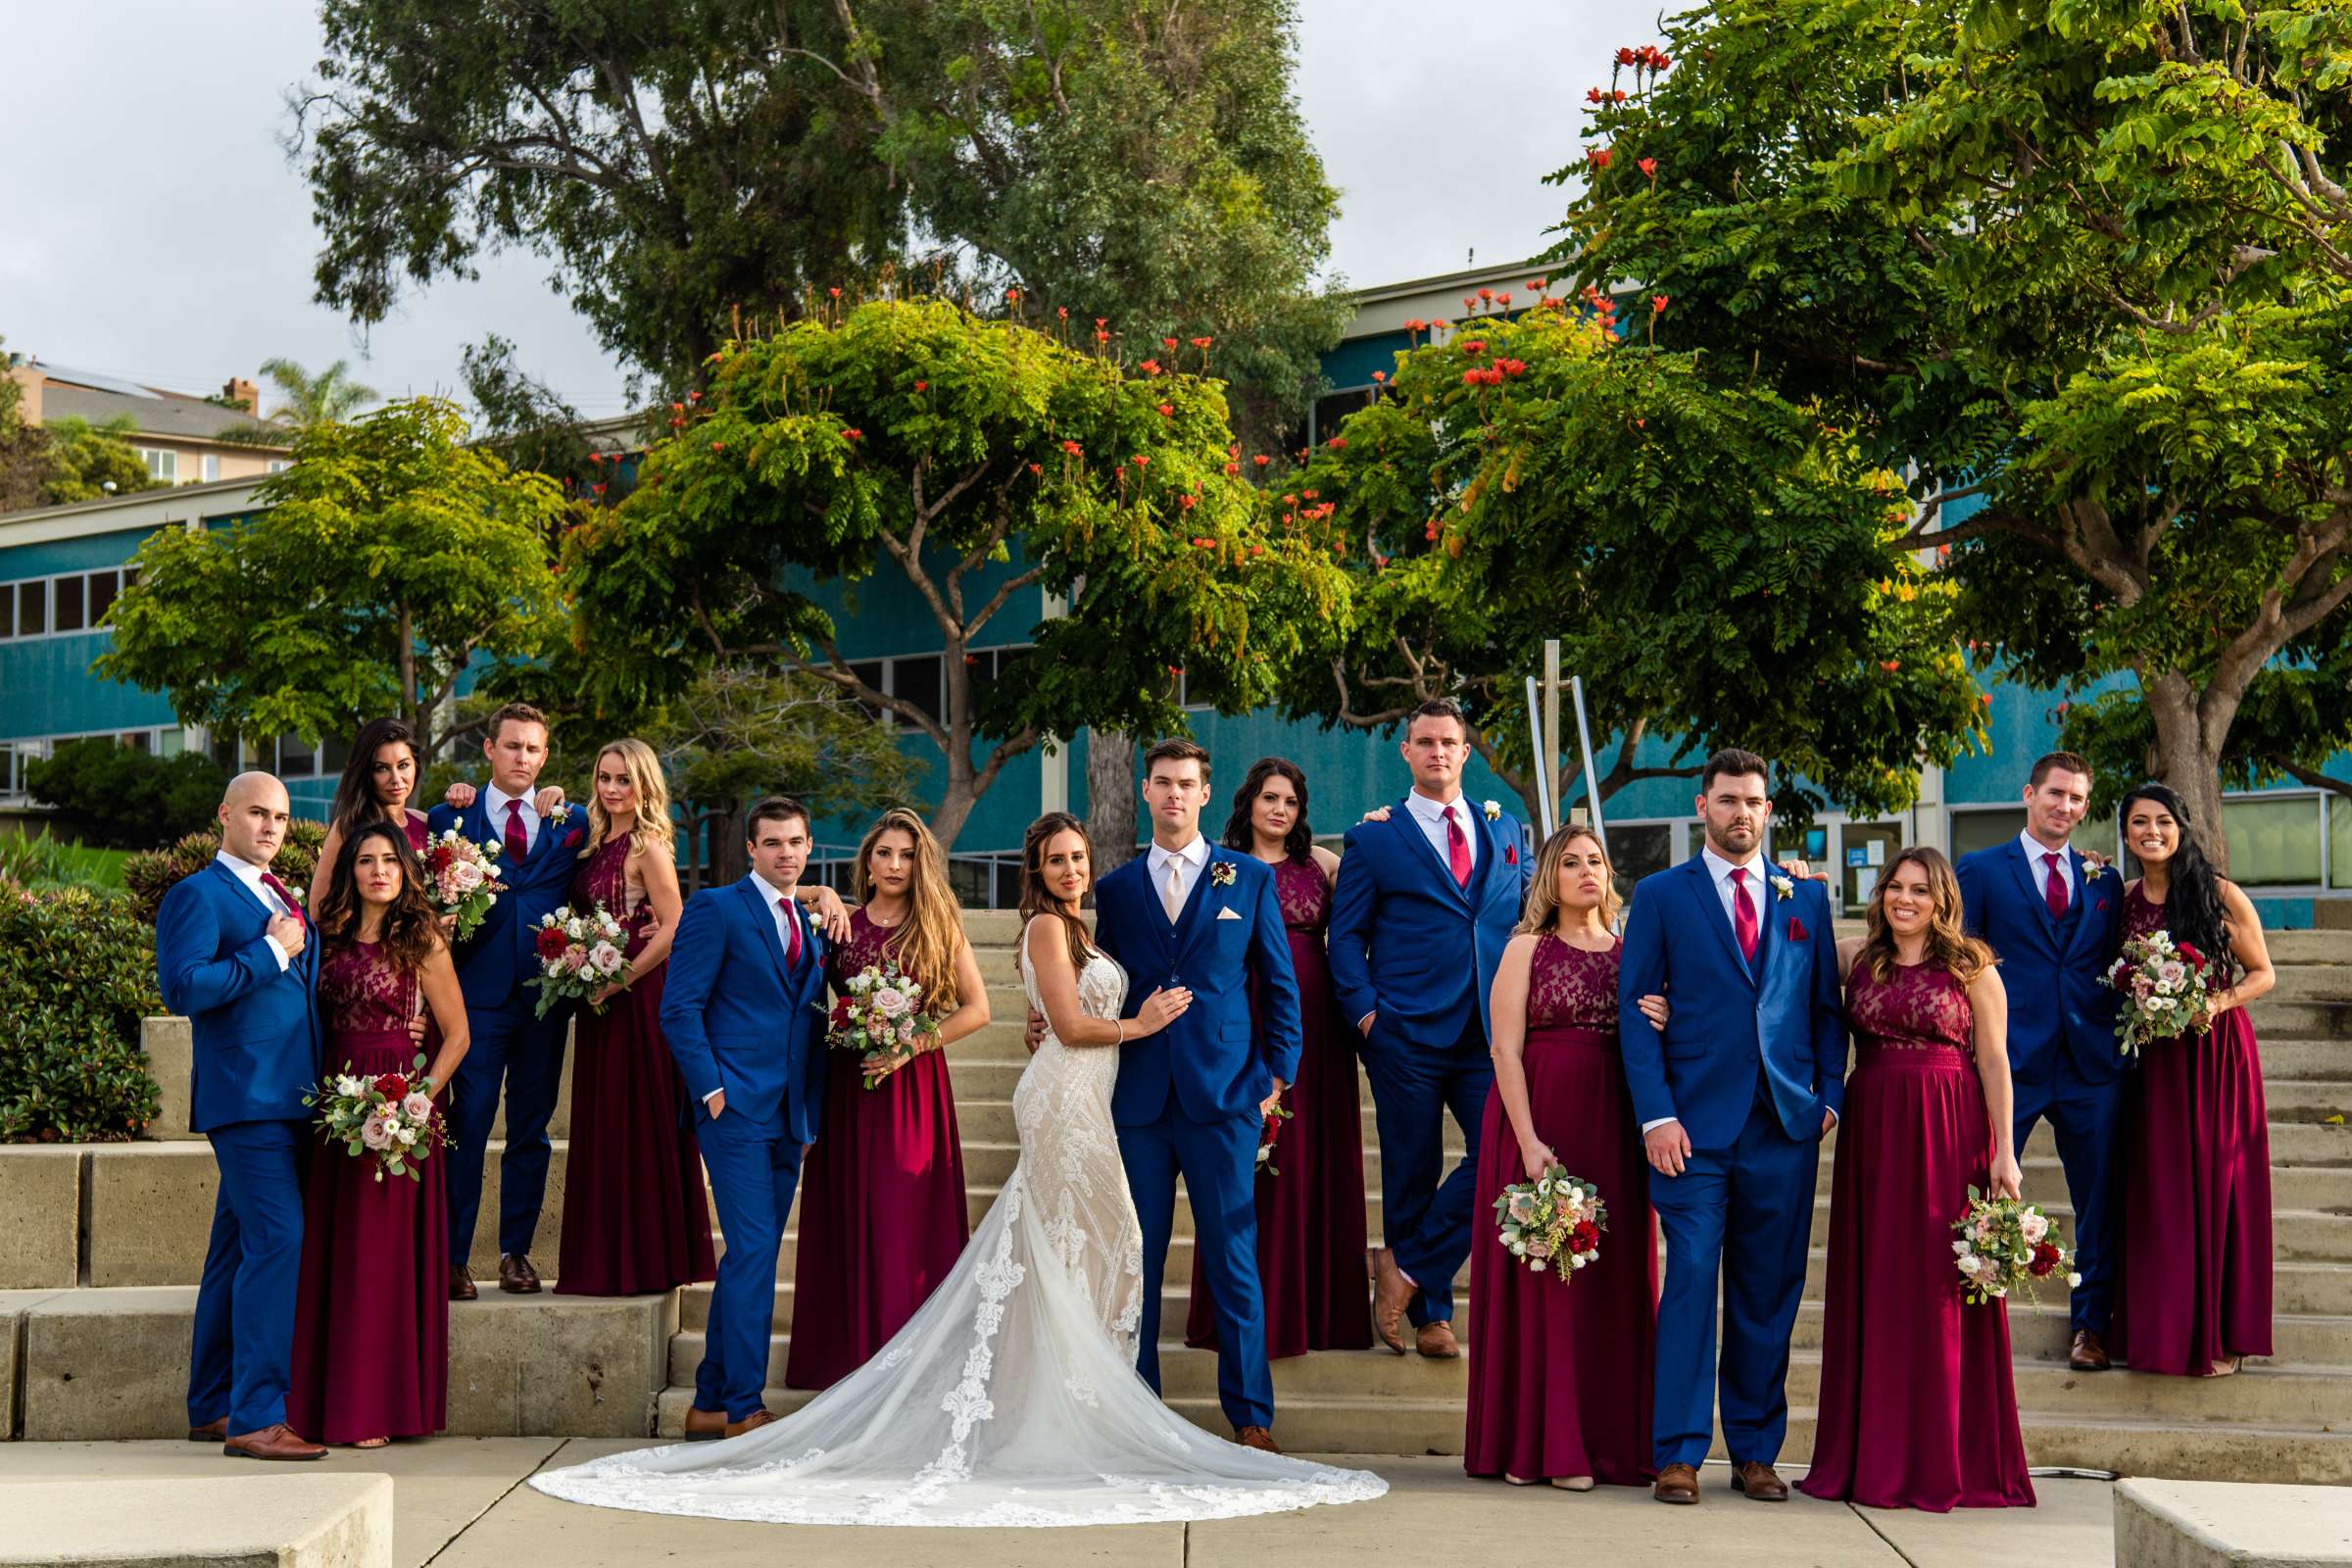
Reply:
x=150 y=874
x=76 y=975
x=122 y=797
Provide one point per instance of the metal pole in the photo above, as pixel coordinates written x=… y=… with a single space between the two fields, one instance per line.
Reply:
x=1552 y=726
x=1583 y=736
x=1535 y=724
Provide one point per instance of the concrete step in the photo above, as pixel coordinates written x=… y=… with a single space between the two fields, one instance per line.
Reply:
x=317 y=1520
x=108 y=1364
x=2208 y=1524
x=2043 y=1333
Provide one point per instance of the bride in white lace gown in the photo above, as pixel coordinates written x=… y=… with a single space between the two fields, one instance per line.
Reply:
x=1010 y=1398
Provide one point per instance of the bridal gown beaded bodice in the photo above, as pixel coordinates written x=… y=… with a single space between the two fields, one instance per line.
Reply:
x=1010 y=1398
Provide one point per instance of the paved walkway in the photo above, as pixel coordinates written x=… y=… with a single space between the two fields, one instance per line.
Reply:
x=460 y=1503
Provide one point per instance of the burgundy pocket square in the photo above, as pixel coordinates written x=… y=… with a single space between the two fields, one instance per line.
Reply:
x=2103 y=903
x=1796 y=930
x=1510 y=855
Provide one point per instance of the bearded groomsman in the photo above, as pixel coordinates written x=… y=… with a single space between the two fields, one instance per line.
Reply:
x=1426 y=901
x=233 y=954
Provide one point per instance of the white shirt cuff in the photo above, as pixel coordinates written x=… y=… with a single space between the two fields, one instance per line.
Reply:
x=283 y=959
x=1647 y=1126
x=1833 y=1115
x=715 y=1094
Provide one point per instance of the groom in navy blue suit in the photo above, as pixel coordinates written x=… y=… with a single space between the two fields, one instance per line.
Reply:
x=1425 y=903
x=537 y=858
x=1733 y=1096
x=2056 y=920
x=743 y=1010
x=1193 y=1097
x=233 y=954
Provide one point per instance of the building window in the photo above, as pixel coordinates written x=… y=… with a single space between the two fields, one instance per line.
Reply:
x=32 y=609
x=919 y=681
x=161 y=465
x=2274 y=839
x=1974 y=831
x=296 y=758
x=1331 y=410
x=68 y=603
x=104 y=586
x=1636 y=848
x=277 y=464
x=211 y=467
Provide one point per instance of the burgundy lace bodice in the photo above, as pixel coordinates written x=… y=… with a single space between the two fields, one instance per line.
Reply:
x=604 y=878
x=361 y=992
x=1305 y=895
x=867 y=946
x=1916 y=1008
x=1569 y=988
x=2140 y=916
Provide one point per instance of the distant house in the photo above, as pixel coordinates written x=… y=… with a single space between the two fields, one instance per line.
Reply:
x=179 y=437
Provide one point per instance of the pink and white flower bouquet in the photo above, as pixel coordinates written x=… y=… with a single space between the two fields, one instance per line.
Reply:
x=882 y=1018
x=2007 y=1245
x=579 y=954
x=2164 y=986
x=1553 y=1223
x=388 y=1118
x=461 y=879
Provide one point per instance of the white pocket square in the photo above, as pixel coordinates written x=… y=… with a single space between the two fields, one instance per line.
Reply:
x=1229 y=915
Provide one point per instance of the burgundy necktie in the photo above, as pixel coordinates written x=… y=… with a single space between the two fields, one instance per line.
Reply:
x=1744 y=914
x=1457 y=849
x=293 y=909
x=2054 y=892
x=791 y=932
x=518 y=842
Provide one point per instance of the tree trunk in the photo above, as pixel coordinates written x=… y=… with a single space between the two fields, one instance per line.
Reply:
x=1110 y=799
x=727 y=862
x=2188 y=762
x=420 y=718
x=956 y=805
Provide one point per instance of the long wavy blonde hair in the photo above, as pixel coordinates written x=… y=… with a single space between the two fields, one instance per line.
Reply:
x=926 y=943
x=1542 y=911
x=1949 y=943
x=653 y=798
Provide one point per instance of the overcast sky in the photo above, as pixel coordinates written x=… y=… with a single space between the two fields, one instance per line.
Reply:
x=151 y=226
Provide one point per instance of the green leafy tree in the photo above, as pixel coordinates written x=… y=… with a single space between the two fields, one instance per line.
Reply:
x=89 y=461
x=393 y=554
x=122 y=797
x=972 y=460
x=1718 y=565
x=2088 y=267
x=23 y=448
x=329 y=396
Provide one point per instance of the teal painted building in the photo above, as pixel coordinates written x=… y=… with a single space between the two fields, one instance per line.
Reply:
x=61 y=567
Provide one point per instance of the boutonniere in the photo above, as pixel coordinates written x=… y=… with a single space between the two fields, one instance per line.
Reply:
x=817 y=921
x=1492 y=809
x=560 y=815
x=1220 y=874
x=1783 y=888
x=2098 y=863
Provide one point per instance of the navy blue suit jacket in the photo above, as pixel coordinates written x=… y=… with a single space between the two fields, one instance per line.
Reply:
x=1779 y=1016
x=1216 y=1059
x=2058 y=1003
x=1410 y=943
x=494 y=962
x=255 y=1025
x=739 y=1017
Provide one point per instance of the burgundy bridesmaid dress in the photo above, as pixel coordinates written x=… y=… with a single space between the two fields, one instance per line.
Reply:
x=371 y=1310
x=1310 y=1209
x=882 y=1203
x=1560 y=1375
x=1918 y=1407
x=2196 y=1160
x=419 y=833
x=636 y=1218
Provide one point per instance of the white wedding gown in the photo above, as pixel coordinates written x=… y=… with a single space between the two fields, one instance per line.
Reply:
x=1011 y=1397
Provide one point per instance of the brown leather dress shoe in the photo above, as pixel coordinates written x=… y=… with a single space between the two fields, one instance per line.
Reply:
x=2090 y=1353
x=704 y=1425
x=1391 y=1293
x=1677 y=1482
x=1437 y=1341
x=271 y=1442
x=1258 y=1437
x=515 y=1276
x=750 y=1423
x=1760 y=1482
x=461 y=1284
x=209 y=1432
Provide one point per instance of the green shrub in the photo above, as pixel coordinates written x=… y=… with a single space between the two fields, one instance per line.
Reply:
x=44 y=862
x=150 y=874
x=76 y=975
x=122 y=798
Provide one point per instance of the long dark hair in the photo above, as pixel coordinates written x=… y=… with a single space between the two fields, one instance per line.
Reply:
x=2192 y=891
x=411 y=933
x=1036 y=898
x=355 y=791
x=1948 y=944
x=1242 y=834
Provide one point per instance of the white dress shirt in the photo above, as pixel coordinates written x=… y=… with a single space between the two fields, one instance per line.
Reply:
x=2036 y=862
x=499 y=800
x=1189 y=862
x=1432 y=814
x=250 y=874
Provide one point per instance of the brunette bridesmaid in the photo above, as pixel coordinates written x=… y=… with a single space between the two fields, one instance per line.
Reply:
x=636 y=1218
x=1561 y=1372
x=1310 y=1194
x=882 y=1198
x=2195 y=1297
x=377 y=781
x=1918 y=1409
x=372 y=1325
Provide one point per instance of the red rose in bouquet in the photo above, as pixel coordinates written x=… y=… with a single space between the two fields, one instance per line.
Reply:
x=841 y=1012
x=437 y=860
x=552 y=942
x=2191 y=956
x=1585 y=1238
x=392 y=1086
x=2046 y=1260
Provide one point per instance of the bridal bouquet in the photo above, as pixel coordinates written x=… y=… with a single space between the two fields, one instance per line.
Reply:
x=1265 y=1140
x=1554 y=1222
x=461 y=879
x=389 y=1117
x=2163 y=989
x=579 y=954
x=2007 y=1245
x=881 y=1017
